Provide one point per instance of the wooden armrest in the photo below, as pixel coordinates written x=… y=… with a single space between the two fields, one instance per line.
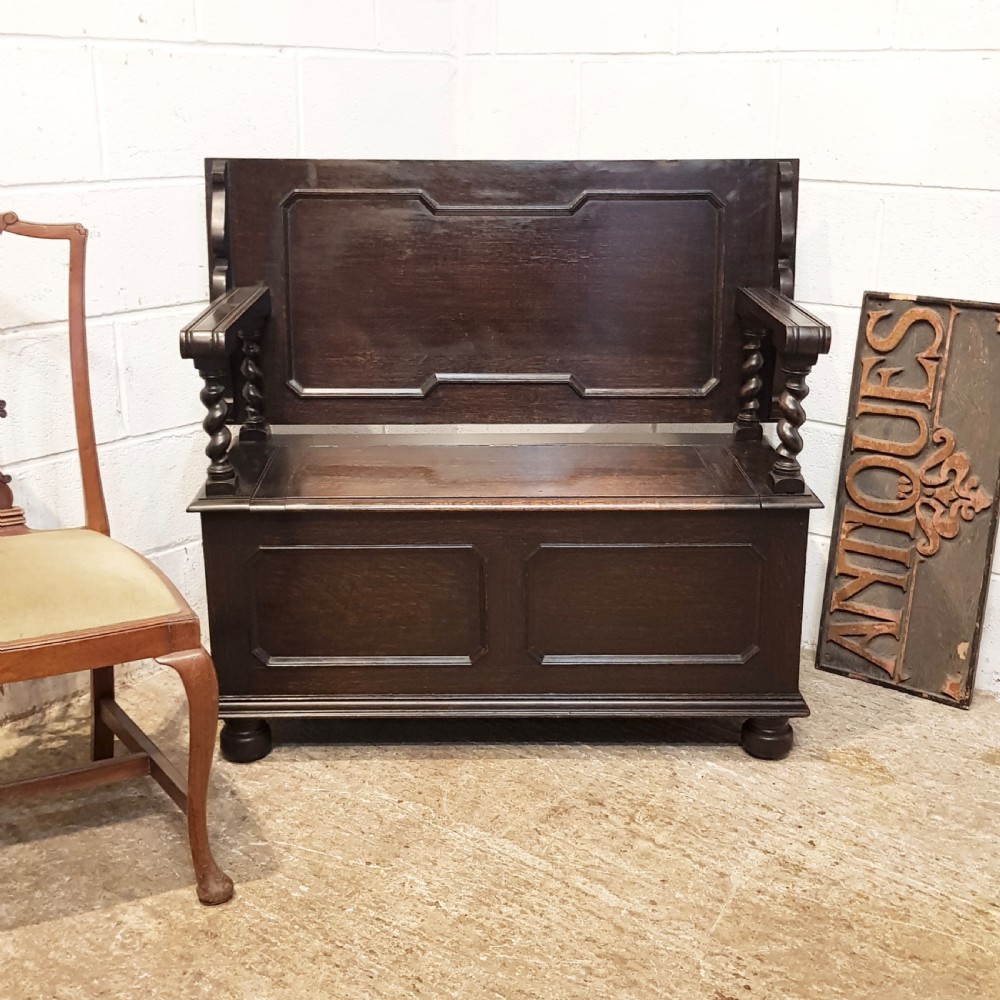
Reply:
x=799 y=338
x=213 y=333
x=793 y=330
x=234 y=320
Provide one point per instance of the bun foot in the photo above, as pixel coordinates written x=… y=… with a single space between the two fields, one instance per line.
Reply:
x=245 y=740
x=768 y=739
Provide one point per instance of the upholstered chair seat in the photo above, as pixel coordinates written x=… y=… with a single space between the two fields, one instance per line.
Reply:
x=75 y=580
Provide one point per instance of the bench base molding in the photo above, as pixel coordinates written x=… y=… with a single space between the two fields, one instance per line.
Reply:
x=766 y=732
x=511 y=706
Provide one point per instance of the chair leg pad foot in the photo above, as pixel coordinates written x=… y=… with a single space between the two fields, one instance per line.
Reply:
x=214 y=888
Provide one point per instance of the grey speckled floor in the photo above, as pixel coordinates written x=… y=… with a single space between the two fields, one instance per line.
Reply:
x=865 y=865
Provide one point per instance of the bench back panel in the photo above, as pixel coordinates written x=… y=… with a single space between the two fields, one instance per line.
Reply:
x=474 y=291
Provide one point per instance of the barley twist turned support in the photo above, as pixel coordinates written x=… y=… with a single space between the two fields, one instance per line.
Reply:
x=798 y=338
x=786 y=474
x=221 y=476
x=212 y=340
x=747 y=427
x=255 y=427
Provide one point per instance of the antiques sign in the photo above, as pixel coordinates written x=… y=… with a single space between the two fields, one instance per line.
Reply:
x=917 y=502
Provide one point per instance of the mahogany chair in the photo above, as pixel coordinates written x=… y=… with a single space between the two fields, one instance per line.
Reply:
x=74 y=599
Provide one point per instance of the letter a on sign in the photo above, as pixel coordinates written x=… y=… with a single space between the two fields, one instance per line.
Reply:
x=918 y=498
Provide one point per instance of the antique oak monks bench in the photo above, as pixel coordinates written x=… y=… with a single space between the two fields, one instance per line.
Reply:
x=616 y=538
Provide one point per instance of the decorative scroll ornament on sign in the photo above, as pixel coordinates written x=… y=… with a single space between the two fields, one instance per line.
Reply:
x=949 y=494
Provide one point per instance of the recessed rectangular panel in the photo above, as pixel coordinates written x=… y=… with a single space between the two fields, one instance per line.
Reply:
x=390 y=294
x=653 y=604
x=368 y=604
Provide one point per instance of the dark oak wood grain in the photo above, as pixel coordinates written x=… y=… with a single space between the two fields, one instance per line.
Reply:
x=624 y=571
x=500 y=466
x=490 y=292
x=518 y=599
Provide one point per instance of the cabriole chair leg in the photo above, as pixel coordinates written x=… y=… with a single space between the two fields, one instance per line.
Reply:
x=197 y=673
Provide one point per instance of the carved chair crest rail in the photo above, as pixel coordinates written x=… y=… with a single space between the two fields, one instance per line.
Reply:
x=633 y=547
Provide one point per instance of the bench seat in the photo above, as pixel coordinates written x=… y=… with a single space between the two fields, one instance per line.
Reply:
x=625 y=469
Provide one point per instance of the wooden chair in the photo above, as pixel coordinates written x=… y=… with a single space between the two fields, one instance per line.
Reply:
x=74 y=599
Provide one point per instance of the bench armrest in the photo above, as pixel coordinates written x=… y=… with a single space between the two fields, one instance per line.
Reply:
x=212 y=334
x=792 y=329
x=798 y=338
x=231 y=326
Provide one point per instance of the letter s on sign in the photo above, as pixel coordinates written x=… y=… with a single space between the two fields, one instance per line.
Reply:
x=910 y=318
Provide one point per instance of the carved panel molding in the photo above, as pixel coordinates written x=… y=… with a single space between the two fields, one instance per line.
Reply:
x=572 y=618
x=357 y=223
x=382 y=605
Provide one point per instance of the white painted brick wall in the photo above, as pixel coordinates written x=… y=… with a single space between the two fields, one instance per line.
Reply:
x=110 y=106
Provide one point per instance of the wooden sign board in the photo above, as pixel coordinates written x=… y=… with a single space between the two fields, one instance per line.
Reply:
x=918 y=498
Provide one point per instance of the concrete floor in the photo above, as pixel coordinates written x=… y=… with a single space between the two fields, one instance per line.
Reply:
x=865 y=865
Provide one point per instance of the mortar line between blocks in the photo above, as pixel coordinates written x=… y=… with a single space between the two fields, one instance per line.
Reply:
x=896 y=17
x=115 y=444
x=578 y=106
x=826 y=55
x=206 y=46
x=830 y=425
x=143 y=312
x=777 y=108
x=116 y=340
x=200 y=44
x=99 y=183
x=458 y=26
x=164 y=550
x=146 y=437
x=300 y=133
x=876 y=262
x=102 y=138
x=897 y=185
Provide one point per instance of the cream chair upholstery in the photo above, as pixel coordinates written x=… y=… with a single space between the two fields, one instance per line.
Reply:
x=75 y=580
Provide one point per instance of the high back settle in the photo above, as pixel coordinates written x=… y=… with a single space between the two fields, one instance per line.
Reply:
x=650 y=566
x=476 y=291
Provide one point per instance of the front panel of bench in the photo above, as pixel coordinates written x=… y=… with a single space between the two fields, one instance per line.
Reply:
x=505 y=603
x=501 y=292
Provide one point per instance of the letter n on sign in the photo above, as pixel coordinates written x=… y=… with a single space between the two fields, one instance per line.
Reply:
x=918 y=498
